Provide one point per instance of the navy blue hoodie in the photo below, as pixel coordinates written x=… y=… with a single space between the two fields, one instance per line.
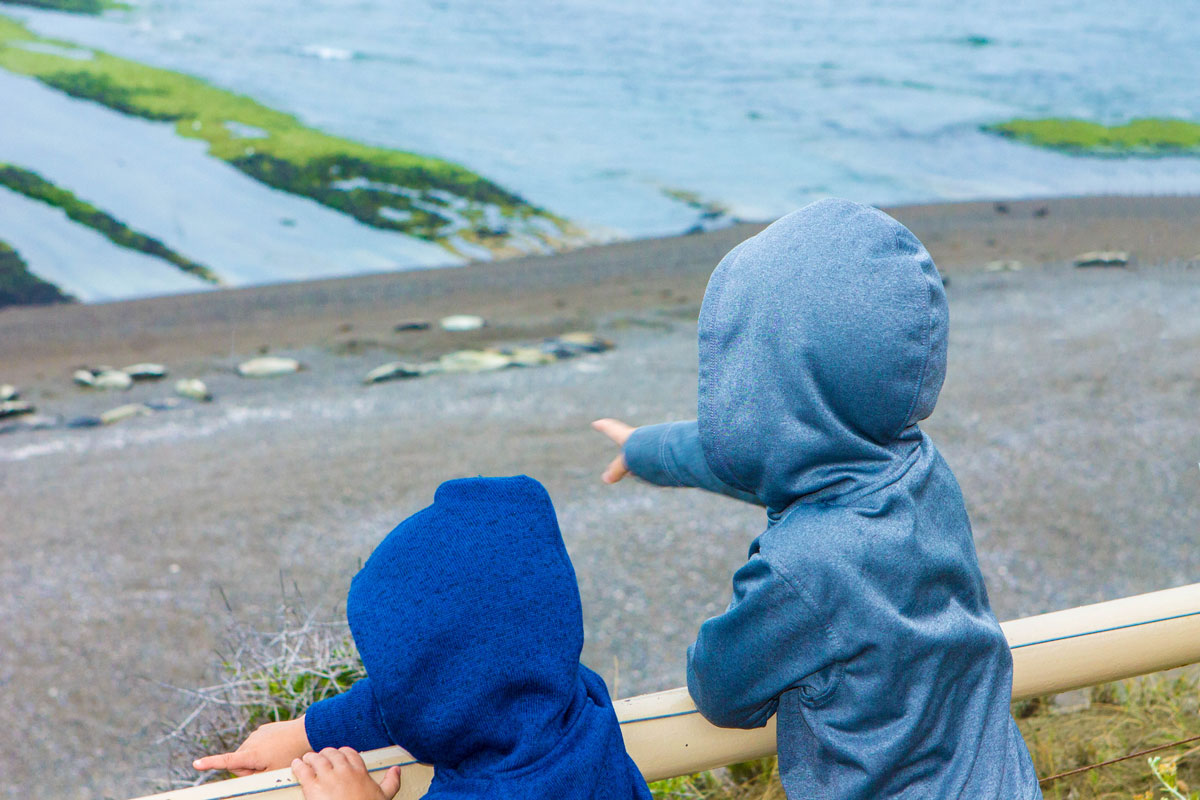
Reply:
x=860 y=617
x=468 y=620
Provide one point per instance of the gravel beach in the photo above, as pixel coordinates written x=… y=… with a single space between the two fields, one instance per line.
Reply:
x=1068 y=415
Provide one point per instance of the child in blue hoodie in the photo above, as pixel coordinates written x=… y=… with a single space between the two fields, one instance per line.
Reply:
x=468 y=620
x=860 y=618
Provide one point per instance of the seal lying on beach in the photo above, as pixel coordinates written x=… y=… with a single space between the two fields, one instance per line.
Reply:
x=145 y=371
x=102 y=378
x=268 y=366
x=15 y=408
x=193 y=388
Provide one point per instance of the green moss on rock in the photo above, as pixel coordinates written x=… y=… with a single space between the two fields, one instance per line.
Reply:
x=418 y=195
x=20 y=287
x=94 y=86
x=74 y=6
x=1139 y=137
x=35 y=187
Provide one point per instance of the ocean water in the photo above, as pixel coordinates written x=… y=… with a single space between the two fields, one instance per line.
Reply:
x=602 y=110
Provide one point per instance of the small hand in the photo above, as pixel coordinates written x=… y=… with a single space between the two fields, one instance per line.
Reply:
x=619 y=432
x=271 y=746
x=341 y=775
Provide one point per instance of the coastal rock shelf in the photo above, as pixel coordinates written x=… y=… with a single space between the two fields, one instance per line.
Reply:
x=420 y=196
x=18 y=286
x=35 y=187
x=1139 y=137
x=73 y=6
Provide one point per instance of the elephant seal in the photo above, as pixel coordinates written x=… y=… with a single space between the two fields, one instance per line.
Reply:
x=268 y=366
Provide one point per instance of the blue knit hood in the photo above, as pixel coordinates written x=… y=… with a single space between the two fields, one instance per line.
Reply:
x=468 y=620
x=798 y=399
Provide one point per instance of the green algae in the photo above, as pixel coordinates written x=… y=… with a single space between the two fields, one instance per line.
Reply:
x=71 y=6
x=74 y=6
x=35 y=187
x=20 y=287
x=422 y=196
x=1139 y=137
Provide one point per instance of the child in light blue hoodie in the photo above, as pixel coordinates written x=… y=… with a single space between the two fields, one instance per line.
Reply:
x=860 y=617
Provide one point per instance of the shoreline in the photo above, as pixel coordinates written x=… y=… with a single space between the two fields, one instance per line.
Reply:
x=548 y=293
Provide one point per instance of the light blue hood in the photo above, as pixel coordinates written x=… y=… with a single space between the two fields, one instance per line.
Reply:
x=800 y=397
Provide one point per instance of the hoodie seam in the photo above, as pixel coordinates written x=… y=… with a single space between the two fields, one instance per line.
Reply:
x=662 y=455
x=925 y=346
x=851 y=499
x=827 y=628
x=707 y=354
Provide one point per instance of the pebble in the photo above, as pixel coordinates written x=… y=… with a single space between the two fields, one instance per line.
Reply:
x=193 y=388
x=268 y=366
x=8 y=392
x=124 y=412
x=15 y=408
x=145 y=371
x=1102 y=258
x=462 y=322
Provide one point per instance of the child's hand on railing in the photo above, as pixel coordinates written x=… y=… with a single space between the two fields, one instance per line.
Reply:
x=271 y=746
x=341 y=775
x=619 y=432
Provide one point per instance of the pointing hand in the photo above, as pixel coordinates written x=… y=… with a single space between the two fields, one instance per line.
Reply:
x=619 y=432
x=271 y=746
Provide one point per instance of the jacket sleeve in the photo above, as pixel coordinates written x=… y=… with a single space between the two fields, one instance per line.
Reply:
x=767 y=642
x=669 y=454
x=348 y=719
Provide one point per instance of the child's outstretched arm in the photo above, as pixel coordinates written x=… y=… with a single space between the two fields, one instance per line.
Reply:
x=341 y=775
x=348 y=719
x=666 y=455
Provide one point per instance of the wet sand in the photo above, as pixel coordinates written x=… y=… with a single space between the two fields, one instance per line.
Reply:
x=1069 y=416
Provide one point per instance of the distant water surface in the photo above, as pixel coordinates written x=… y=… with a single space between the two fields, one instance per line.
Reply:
x=597 y=109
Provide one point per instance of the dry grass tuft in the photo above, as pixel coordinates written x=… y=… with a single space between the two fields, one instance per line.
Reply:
x=264 y=676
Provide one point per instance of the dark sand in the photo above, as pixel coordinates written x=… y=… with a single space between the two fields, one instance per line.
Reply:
x=1069 y=416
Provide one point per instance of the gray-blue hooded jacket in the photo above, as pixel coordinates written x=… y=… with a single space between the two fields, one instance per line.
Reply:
x=860 y=617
